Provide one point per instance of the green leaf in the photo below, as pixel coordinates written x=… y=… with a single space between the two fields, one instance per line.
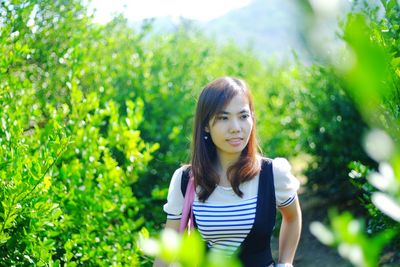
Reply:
x=4 y=237
x=192 y=249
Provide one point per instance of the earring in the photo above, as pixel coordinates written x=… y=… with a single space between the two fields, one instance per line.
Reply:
x=205 y=137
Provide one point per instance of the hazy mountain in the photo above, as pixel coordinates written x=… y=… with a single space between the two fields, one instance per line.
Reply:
x=268 y=26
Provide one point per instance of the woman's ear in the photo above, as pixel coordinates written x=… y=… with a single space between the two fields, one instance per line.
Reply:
x=206 y=129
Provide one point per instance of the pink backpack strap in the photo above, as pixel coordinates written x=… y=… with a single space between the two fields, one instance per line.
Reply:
x=187 y=211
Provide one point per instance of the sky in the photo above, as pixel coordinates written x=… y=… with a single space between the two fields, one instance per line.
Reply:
x=136 y=10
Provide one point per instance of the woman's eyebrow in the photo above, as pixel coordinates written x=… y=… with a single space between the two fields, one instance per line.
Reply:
x=240 y=112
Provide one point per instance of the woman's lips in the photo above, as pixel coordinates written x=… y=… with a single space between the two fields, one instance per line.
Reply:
x=235 y=141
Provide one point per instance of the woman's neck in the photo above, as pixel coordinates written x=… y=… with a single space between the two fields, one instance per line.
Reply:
x=222 y=165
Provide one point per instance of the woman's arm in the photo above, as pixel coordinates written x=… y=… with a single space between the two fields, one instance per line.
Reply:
x=172 y=224
x=290 y=231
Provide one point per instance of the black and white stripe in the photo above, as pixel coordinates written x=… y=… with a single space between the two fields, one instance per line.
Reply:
x=287 y=202
x=224 y=227
x=173 y=216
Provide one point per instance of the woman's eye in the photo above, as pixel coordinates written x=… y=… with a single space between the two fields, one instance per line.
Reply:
x=245 y=116
x=222 y=118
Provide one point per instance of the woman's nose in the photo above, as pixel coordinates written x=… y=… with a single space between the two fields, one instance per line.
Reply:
x=234 y=126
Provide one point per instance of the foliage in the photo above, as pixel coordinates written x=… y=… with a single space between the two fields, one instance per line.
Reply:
x=376 y=221
x=305 y=110
x=348 y=235
x=371 y=78
x=186 y=250
x=67 y=158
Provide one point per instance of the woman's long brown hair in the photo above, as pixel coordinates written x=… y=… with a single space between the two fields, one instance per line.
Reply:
x=213 y=99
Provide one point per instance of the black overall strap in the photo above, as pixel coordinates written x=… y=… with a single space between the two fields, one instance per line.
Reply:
x=255 y=250
x=185 y=180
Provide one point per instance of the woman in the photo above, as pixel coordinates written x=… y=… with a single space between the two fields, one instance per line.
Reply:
x=237 y=190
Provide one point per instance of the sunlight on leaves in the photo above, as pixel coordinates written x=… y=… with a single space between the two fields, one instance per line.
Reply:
x=387 y=205
x=384 y=180
x=378 y=145
x=322 y=233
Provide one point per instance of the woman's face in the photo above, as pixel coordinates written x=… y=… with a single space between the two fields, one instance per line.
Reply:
x=230 y=129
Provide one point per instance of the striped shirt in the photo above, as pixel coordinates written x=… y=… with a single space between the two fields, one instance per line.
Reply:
x=225 y=219
x=224 y=227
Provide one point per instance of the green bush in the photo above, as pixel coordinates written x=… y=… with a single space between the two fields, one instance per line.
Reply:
x=64 y=196
x=68 y=159
x=305 y=110
x=371 y=79
x=334 y=128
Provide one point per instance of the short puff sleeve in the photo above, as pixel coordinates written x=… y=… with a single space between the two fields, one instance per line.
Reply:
x=286 y=184
x=174 y=204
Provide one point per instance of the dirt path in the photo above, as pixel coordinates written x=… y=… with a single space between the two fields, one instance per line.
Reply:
x=310 y=251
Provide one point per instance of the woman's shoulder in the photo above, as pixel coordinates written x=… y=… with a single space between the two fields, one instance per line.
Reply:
x=281 y=164
x=278 y=163
x=182 y=168
x=177 y=175
x=283 y=176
